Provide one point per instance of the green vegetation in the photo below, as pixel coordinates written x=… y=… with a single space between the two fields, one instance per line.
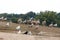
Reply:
x=49 y=16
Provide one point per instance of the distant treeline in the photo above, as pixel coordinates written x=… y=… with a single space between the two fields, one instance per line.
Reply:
x=49 y=16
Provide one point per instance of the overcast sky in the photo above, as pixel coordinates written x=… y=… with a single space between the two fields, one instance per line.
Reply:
x=23 y=6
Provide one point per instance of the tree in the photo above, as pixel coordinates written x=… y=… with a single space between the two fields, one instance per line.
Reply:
x=49 y=16
x=58 y=19
x=28 y=15
x=15 y=20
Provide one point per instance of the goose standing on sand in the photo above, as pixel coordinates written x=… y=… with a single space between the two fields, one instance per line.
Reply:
x=29 y=33
x=44 y=22
x=19 y=32
x=2 y=18
x=38 y=22
x=5 y=19
x=41 y=32
x=18 y=28
x=51 y=25
x=31 y=25
x=7 y=24
x=55 y=25
x=26 y=32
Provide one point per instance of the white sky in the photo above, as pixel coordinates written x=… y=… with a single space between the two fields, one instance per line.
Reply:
x=23 y=6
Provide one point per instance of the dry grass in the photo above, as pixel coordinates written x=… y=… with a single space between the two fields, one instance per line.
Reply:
x=24 y=27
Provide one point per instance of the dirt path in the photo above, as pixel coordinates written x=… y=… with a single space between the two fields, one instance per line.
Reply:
x=12 y=36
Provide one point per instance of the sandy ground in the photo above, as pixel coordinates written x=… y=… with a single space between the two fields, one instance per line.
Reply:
x=9 y=34
x=13 y=36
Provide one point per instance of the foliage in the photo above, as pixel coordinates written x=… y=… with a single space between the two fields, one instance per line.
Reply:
x=14 y=20
x=49 y=16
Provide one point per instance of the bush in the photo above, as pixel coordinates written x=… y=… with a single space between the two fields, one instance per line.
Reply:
x=14 y=20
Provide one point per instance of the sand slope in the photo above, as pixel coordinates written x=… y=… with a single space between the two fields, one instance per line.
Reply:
x=12 y=36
